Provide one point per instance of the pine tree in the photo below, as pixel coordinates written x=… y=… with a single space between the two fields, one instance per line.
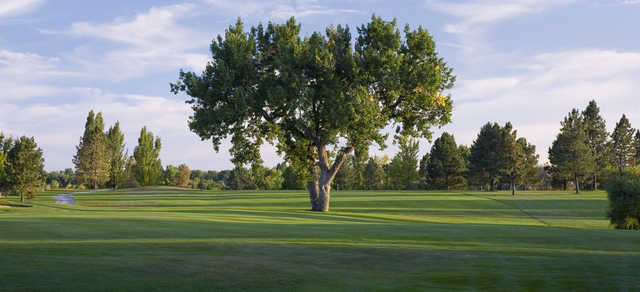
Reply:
x=147 y=168
x=92 y=159
x=423 y=170
x=25 y=167
x=117 y=155
x=446 y=165
x=596 y=130
x=374 y=176
x=636 y=148
x=486 y=156
x=570 y=153
x=621 y=142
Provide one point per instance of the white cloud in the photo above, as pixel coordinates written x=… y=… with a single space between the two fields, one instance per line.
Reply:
x=13 y=7
x=475 y=16
x=544 y=89
x=152 y=41
x=278 y=9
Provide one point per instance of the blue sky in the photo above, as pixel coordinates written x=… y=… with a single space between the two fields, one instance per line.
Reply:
x=524 y=61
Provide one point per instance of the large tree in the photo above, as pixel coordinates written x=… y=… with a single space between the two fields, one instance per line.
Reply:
x=569 y=153
x=596 y=131
x=622 y=143
x=446 y=164
x=117 y=155
x=25 y=167
x=317 y=94
x=91 y=159
x=147 y=168
x=182 y=177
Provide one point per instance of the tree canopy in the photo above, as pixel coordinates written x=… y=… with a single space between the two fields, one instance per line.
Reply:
x=317 y=94
x=147 y=168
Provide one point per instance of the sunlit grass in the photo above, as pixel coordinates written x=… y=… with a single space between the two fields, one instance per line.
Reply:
x=177 y=239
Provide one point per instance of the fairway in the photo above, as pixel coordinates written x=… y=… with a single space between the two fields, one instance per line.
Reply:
x=173 y=239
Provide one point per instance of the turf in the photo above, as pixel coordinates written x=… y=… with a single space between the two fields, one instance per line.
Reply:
x=171 y=239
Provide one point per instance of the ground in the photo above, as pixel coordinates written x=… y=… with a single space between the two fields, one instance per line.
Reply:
x=171 y=239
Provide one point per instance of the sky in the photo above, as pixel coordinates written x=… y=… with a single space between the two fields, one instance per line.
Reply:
x=524 y=61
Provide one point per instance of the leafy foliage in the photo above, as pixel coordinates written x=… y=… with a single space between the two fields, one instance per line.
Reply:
x=624 y=200
x=446 y=164
x=403 y=169
x=147 y=168
x=117 y=155
x=24 y=167
x=310 y=95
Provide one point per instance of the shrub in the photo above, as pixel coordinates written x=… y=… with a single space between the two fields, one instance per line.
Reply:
x=624 y=201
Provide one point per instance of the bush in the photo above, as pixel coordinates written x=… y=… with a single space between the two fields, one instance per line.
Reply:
x=624 y=201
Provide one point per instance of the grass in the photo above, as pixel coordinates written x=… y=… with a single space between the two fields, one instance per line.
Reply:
x=175 y=239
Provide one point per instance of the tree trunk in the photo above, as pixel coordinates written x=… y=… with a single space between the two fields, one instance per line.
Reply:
x=320 y=186
x=513 y=188
x=595 y=182
x=575 y=177
x=491 y=184
x=21 y=197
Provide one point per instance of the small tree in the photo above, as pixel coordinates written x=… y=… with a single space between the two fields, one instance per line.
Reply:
x=317 y=94
x=374 y=176
x=570 y=153
x=25 y=167
x=485 y=160
x=636 y=148
x=446 y=165
x=117 y=155
x=91 y=159
x=622 y=143
x=403 y=168
x=182 y=177
x=147 y=168
x=596 y=132
x=624 y=201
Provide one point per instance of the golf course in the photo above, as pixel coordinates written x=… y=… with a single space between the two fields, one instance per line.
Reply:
x=164 y=238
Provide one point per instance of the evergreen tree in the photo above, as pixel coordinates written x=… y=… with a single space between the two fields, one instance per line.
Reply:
x=423 y=170
x=374 y=176
x=147 y=168
x=636 y=148
x=596 y=130
x=570 y=153
x=25 y=167
x=182 y=177
x=5 y=145
x=91 y=159
x=485 y=160
x=403 y=168
x=117 y=155
x=622 y=143
x=510 y=161
x=446 y=164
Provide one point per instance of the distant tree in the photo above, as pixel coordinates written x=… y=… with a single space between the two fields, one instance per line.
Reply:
x=636 y=148
x=182 y=177
x=446 y=165
x=117 y=155
x=273 y=179
x=170 y=175
x=241 y=179
x=5 y=145
x=485 y=159
x=423 y=170
x=570 y=153
x=25 y=167
x=596 y=131
x=403 y=168
x=311 y=94
x=91 y=159
x=291 y=180
x=147 y=168
x=529 y=172
x=374 y=176
x=622 y=143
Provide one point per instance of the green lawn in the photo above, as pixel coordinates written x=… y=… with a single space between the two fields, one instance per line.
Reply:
x=168 y=239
